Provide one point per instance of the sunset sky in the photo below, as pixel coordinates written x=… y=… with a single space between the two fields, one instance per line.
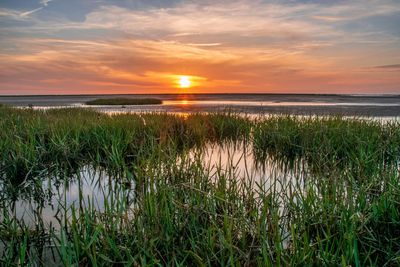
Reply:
x=248 y=46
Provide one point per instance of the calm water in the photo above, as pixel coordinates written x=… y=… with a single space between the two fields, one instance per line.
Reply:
x=95 y=188
x=44 y=207
x=359 y=105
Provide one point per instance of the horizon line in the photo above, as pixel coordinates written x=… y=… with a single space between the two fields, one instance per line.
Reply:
x=311 y=94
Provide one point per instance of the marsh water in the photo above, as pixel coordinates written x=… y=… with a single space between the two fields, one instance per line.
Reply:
x=46 y=203
x=302 y=104
x=40 y=201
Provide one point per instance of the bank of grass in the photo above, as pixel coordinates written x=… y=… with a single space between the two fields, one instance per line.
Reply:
x=327 y=143
x=33 y=141
x=341 y=209
x=124 y=101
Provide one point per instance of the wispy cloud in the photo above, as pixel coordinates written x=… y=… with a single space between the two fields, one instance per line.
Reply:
x=205 y=44
x=326 y=18
x=9 y=13
x=27 y=13
x=355 y=10
x=18 y=15
x=394 y=66
x=45 y=2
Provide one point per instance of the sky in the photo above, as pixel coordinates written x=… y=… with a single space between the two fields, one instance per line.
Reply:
x=245 y=46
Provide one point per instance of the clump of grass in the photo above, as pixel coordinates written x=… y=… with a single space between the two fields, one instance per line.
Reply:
x=124 y=101
x=32 y=140
x=362 y=146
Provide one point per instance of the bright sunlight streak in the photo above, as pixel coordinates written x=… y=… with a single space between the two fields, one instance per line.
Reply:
x=184 y=82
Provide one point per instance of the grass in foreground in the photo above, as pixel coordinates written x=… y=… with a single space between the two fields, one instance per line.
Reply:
x=124 y=101
x=341 y=210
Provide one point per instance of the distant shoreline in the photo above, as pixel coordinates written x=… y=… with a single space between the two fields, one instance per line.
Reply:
x=273 y=94
x=296 y=104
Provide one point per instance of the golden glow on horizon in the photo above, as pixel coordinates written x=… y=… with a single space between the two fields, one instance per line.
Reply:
x=184 y=102
x=184 y=82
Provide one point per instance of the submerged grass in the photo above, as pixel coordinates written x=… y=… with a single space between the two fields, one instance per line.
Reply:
x=124 y=101
x=164 y=208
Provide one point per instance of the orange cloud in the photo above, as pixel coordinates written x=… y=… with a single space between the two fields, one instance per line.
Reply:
x=247 y=46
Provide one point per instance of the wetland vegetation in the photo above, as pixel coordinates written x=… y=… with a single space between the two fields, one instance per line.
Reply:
x=333 y=200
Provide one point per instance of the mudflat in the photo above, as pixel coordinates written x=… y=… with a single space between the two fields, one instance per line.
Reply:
x=301 y=104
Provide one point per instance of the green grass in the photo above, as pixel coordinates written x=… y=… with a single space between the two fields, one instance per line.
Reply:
x=164 y=208
x=362 y=146
x=124 y=101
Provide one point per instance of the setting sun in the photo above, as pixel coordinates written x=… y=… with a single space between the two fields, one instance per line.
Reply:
x=184 y=82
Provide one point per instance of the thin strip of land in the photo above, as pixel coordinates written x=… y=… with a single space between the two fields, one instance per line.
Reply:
x=124 y=101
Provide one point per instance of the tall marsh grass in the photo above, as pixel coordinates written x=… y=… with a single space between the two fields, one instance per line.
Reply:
x=163 y=207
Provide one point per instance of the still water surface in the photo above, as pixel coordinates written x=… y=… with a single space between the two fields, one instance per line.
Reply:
x=96 y=188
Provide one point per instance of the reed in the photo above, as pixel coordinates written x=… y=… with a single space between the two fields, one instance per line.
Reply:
x=162 y=205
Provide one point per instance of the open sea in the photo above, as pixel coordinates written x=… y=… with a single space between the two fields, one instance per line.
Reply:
x=298 y=104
